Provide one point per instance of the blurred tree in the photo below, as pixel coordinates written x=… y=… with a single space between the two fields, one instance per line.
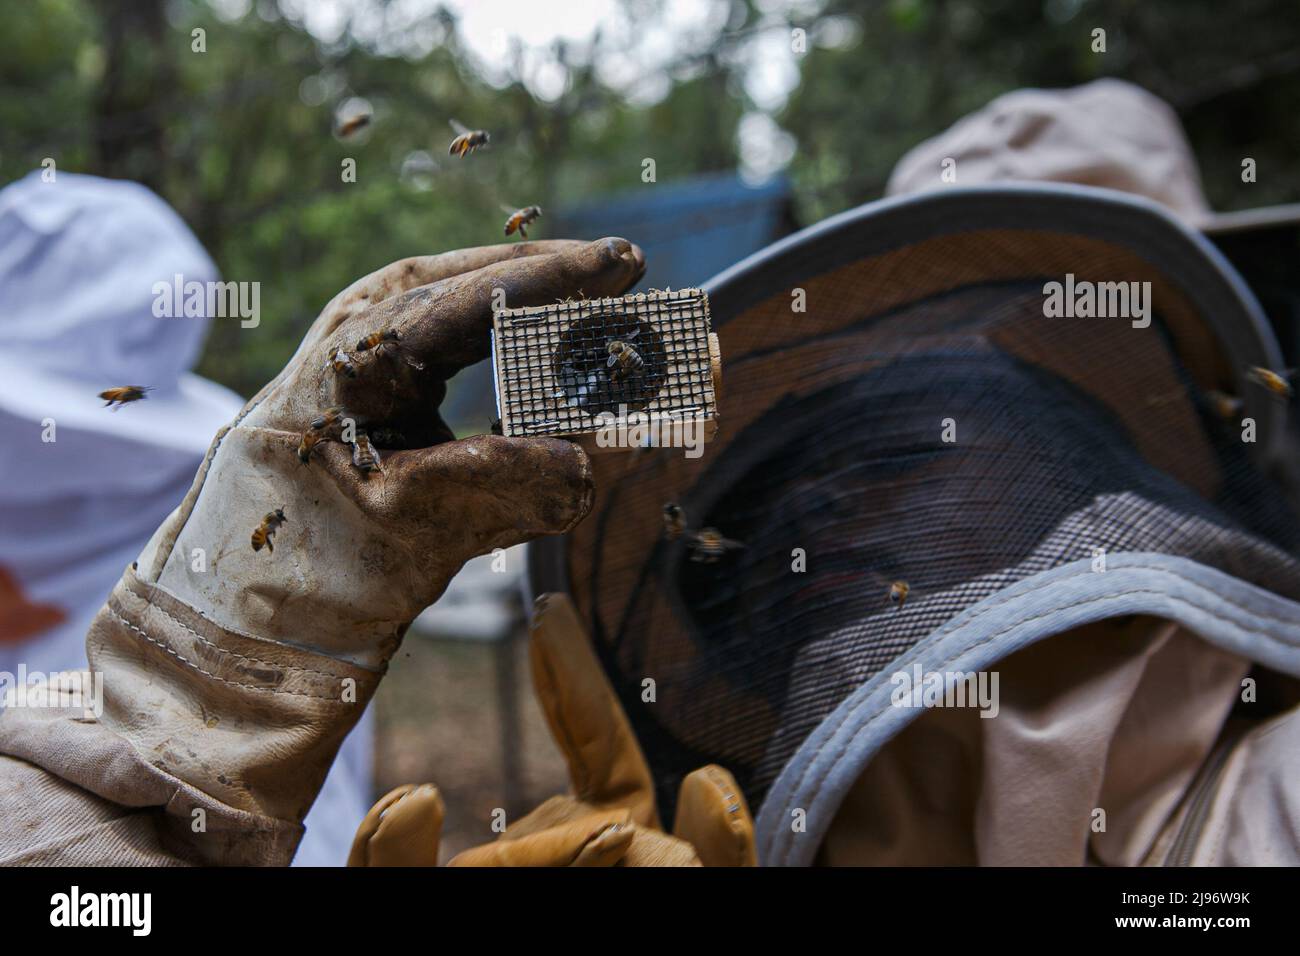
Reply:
x=916 y=66
x=239 y=138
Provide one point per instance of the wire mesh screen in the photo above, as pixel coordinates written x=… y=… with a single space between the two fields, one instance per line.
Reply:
x=1069 y=435
x=577 y=366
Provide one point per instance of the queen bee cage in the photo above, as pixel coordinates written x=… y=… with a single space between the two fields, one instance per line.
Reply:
x=566 y=369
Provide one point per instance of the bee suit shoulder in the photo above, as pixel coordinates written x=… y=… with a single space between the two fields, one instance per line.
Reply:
x=34 y=797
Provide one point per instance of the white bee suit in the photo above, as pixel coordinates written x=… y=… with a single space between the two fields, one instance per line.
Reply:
x=83 y=487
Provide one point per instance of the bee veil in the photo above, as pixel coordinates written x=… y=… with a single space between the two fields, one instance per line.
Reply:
x=912 y=407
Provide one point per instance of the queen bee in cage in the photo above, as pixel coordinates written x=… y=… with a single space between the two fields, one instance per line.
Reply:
x=578 y=367
x=624 y=359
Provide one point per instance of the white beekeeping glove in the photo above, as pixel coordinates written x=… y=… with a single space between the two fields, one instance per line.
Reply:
x=232 y=674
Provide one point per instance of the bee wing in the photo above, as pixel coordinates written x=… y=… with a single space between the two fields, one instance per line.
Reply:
x=613 y=360
x=509 y=209
x=460 y=128
x=634 y=333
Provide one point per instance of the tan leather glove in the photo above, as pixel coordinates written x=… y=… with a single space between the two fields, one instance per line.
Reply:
x=610 y=818
x=231 y=675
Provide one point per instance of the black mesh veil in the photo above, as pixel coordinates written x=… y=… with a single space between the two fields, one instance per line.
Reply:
x=924 y=421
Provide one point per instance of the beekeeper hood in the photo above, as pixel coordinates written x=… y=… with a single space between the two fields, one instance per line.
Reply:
x=910 y=400
x=1107 y=133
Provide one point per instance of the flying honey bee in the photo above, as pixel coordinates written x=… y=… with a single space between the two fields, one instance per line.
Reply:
x=1276 y=382
x=364 y=455
x=1224 y=406
x=117 y=397
x=674 y=521
x=624 y=359
x=269 y=526
x=521 y=219
x=341 y=362
x=352 y=124
x=467 y=140
x=310 y=439
x=898 y=592
x=708 y=546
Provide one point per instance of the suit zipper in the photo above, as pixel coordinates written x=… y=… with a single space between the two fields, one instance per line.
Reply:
x=1189 y=832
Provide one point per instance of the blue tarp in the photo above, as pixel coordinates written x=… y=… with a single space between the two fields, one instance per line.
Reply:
x=690 y=229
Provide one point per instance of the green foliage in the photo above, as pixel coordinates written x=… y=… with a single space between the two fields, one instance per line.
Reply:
x=239 y=138
x=228 y=137
x=1232 y=70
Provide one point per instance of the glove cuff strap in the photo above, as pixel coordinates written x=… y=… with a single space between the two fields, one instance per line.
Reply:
x=192 y=715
